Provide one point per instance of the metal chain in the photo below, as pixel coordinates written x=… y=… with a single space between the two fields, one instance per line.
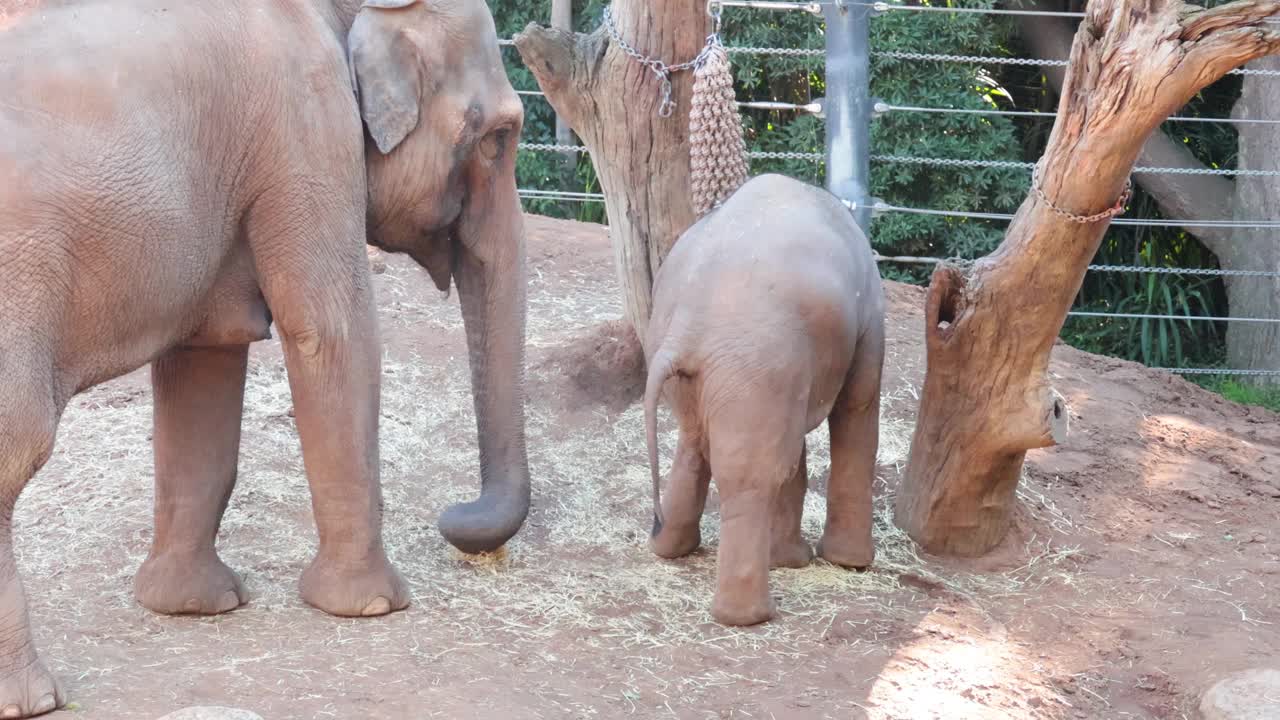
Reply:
x=1221 y=371
x=900 y=55
x=1107 y=214
x=952 y=162
x=785 y=52
x=551 y=147
x=762 y=155
x=1139 y=269
x=660 y=69
x=1014 y=165
x=1184 y=271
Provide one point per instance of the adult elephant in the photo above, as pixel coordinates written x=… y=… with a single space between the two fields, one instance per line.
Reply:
x=174 y=178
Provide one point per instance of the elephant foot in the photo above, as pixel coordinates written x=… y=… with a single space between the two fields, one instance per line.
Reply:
x=360 y=589
x=175 y=583
x=29 y=692
x=792 y=554
x=671 y=542
x=839 y=549
x=737 y=610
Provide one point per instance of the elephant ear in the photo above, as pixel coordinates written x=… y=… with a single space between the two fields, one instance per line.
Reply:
x=385 y=75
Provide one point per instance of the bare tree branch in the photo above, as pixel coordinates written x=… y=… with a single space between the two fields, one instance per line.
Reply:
x=1203 y=197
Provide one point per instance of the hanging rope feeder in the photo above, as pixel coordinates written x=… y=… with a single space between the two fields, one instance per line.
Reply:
x=717 y=151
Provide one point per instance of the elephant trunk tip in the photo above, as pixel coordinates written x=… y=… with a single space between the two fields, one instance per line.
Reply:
x=484 y=525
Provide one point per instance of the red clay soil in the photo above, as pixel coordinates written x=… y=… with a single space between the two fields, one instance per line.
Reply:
x=1145 y=563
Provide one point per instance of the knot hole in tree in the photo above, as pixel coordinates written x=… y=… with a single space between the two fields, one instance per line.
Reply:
x=943 y=305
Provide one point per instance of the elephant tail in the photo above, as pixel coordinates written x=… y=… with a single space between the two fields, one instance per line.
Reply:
x=661 y=367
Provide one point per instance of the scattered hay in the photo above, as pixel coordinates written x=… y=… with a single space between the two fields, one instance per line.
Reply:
x=579 y=570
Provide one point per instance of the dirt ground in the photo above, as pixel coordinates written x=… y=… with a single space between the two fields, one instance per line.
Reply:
x=1145 y=563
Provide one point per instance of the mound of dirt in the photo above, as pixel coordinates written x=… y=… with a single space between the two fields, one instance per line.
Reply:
x=603 y=366
x=1145 y=564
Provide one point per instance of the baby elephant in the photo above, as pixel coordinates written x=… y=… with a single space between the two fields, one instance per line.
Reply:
x=768 y=316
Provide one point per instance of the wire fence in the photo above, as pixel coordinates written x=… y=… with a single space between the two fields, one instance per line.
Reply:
x=882 y=108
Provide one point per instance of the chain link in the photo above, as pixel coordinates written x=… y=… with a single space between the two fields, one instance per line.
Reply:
x=1107 y=214
x=754 y=155
x=1184 y=271
x=551 y=147
x=952 y=162
x=660 y=69
x=1221 y=371
x=902 y=55
x=785 y=52
x=761 y=155
x=1139 y=269
x=1014 y=165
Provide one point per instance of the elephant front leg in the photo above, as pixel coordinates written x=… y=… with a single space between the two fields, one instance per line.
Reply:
x=789 y=548
x=854 y=425
x=315 y=277
x=334 y=381
x=199 y=398
x=683 y=502
x=28 y=422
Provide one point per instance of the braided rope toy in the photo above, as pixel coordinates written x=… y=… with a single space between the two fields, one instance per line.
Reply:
x=717 y=151
x=718 y=160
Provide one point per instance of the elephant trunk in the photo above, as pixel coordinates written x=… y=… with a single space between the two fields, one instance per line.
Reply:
x=489 y=270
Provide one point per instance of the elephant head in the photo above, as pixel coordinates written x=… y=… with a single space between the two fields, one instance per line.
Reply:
x=443 y=122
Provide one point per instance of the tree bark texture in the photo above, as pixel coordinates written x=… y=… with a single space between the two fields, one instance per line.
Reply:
x=1214 y=197
x=990 y=329
x=612 y=102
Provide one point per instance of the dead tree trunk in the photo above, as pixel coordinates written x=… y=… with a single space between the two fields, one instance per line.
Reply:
x=612 y=103
x=989 y=330
x=1250 y=345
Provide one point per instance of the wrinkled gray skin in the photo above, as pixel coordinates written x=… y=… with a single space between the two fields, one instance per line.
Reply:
x=768 y=318
x=174 y=178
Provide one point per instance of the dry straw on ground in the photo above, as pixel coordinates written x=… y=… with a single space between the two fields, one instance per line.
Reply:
x=580 y=568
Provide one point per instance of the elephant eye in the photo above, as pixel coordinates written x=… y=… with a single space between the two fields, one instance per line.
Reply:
x=494 y=143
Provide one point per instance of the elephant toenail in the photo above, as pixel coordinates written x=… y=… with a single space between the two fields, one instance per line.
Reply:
x=228 y=601
x=47 y=704
x=11 y=711
x=379 y=606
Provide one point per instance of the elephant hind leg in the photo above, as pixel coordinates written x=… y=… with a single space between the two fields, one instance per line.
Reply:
x=754 y=445
x=854 y=425
x=199 y=398
x=29 y=415
x=683 y=502
x=789 y=548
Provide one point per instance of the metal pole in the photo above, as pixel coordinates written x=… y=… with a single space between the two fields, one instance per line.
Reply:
x=562 y=19
x=848 y=105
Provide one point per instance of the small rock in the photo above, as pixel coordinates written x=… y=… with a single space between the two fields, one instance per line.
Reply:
x=211 y=713
x=1214 y=505
x=1265 y=490
x=1035 y=701
x=1249 y=695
